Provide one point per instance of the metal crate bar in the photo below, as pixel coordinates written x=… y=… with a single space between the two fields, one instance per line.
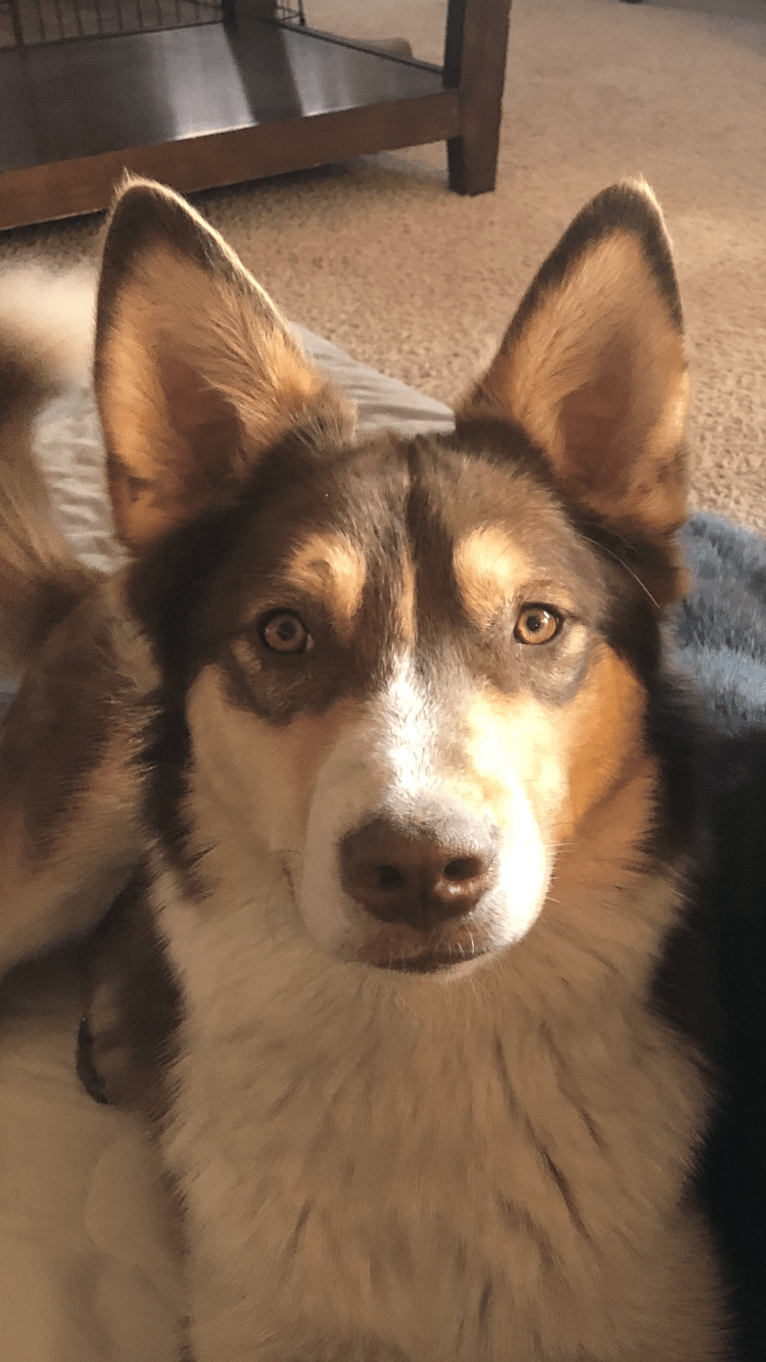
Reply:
x=30 y=23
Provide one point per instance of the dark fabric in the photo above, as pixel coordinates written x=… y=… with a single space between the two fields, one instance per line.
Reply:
x=734 y=1162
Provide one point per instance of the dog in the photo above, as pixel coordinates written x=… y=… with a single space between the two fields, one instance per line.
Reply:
x=375 y=748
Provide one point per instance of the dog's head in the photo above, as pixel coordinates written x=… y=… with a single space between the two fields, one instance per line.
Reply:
x=414 y=675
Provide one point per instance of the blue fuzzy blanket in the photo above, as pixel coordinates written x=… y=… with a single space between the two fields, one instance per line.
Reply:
x=721 y=624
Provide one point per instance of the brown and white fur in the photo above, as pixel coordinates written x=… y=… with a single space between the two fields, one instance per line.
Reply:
x=386 y=730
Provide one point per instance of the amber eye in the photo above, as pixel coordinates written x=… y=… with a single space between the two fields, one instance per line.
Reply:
x=284 y=632
x=537 y=624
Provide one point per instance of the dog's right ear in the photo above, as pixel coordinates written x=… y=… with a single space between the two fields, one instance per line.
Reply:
x=196 y=371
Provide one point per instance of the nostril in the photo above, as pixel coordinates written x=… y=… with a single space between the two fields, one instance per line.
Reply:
x=464 y=868
x=390 y=878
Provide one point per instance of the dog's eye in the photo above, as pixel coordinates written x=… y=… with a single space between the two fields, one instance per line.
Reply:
x=284 y=632
x=537 y=624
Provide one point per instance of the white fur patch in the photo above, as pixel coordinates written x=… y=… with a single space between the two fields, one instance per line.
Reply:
x=391 y=763
x=54 y=315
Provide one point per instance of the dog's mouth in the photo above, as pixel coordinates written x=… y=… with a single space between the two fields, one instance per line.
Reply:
x=403 y=949
x=430 y=962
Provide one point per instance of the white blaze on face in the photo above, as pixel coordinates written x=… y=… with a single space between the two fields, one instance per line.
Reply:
x=392 y=762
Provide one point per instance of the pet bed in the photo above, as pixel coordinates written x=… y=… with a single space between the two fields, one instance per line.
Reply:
x=86 y=1274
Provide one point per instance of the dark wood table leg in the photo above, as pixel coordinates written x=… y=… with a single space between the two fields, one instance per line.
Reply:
x=474 y=63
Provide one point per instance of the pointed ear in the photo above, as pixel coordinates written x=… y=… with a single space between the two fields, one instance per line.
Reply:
x=593 y=365
x=196 y=371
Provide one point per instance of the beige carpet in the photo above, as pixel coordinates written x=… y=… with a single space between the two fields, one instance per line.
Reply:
x=420 y=283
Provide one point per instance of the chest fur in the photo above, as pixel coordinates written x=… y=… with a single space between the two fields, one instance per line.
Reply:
x=441 y=1167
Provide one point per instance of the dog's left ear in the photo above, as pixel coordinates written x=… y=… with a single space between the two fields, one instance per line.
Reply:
x=593 y=366
x=196 y=371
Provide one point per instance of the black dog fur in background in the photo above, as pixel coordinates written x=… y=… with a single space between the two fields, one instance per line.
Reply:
x=721 y=633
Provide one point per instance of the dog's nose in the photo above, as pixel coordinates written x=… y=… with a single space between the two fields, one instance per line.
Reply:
x=418 y=876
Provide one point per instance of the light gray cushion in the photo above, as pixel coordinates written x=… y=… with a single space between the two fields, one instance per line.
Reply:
x=69 y=441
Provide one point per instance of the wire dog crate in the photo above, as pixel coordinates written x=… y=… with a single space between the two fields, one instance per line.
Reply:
x=29 y=23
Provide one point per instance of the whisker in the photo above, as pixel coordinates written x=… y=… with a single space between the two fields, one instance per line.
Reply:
x=597 y=525
x=624 y=565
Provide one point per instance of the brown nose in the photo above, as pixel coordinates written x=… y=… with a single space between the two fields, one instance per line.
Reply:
x=418 y=876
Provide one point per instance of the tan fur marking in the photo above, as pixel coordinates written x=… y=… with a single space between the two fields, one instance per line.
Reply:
x=331 y=568
x=296 y=752
x=566 y=758
x=513 y=738
x=406 y=602
x=604 y=735
x=228 y=750
x=489 y=569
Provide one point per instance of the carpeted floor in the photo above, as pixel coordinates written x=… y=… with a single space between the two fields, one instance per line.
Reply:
x=420 y=283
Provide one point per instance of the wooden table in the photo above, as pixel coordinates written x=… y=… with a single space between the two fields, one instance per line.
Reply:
x=221 y=103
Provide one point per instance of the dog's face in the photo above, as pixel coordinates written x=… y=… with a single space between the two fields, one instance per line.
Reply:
x=411 y=671
x=404 y=653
